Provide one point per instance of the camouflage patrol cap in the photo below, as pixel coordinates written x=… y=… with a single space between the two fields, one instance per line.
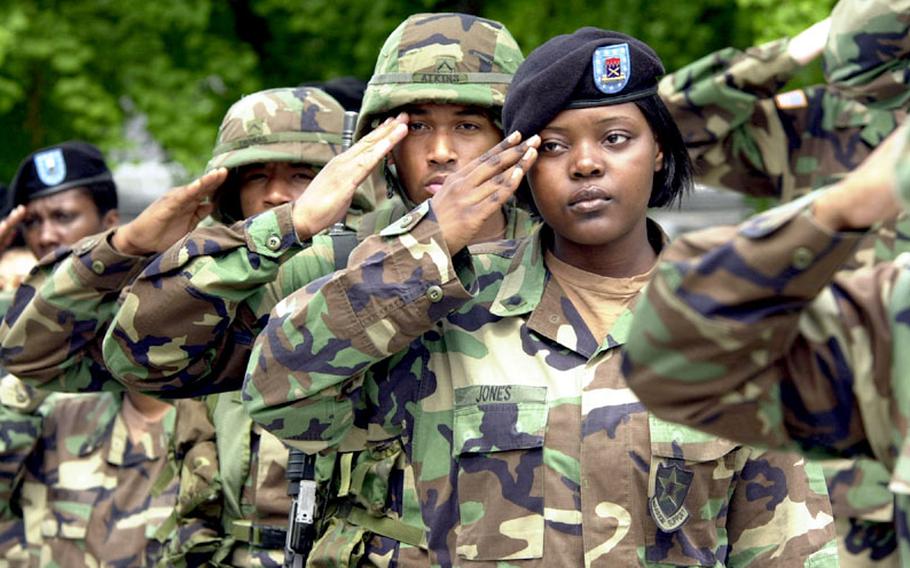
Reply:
x=867 y=55
x=299 y=124
x=441 y=58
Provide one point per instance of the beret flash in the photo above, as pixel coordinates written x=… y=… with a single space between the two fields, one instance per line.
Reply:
x=589 y=68
x=59 y=168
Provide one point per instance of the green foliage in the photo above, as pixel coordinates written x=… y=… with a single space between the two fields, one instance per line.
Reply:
x=80 y=68
x=75 y=69
x=771 y=19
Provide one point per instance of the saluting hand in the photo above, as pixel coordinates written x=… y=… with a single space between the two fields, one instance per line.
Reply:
x=329 y=194
x=469 y=196
x=169 y=217
x=8 y=226
x=809 y=43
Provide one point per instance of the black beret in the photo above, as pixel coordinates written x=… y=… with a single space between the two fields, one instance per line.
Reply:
x=591 y=67
x=59 y=168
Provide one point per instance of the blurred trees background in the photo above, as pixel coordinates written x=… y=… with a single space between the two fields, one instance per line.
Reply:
x=82 y=68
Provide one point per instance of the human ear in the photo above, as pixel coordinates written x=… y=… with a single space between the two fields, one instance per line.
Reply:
x=110 y=219
x=659 y=157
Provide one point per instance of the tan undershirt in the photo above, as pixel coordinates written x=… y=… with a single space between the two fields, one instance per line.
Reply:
x=600 y=300
x=138 y=424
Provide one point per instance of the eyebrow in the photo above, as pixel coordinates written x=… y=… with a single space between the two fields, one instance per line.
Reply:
x=469 y=111
x=606 y=120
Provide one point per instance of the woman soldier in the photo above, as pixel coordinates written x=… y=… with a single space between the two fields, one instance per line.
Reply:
x=498 y=364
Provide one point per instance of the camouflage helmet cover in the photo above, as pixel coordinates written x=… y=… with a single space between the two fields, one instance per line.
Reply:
x=300 y=124
x=441 y=58
x=867 y=55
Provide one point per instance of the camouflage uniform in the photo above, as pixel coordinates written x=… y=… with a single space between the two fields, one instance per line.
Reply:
x=300 y=125
x=20 y=425
x=225 y=280
x=86 y=496
x=866 y=56
x=510 y=414
x=744 y=136
x=756 y=333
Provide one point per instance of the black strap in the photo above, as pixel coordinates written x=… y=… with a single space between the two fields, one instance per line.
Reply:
x=343 y=242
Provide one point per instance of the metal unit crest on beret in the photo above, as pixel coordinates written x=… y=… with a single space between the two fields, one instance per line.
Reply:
x=50 y=166
x=611 y=68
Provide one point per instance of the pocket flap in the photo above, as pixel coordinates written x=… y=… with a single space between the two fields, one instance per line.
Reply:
x=54 y=528
x=670 y=440
x=496 y=418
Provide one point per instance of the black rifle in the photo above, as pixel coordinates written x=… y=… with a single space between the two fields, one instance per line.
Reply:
x=301 y=470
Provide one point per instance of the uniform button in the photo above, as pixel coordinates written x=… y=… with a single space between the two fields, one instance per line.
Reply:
x=274 y=242
x=406 y=220
x=434 y=293
x=554 y=318
x=98 y=267
x=802 y=258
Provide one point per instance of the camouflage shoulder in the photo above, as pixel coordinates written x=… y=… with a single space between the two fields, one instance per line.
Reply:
x=19 y=396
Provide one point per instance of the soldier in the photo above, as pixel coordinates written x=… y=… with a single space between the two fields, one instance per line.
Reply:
x=274 y=142
x=497 y=364
x=745 y=135
x=756 y=332
x=211 y=293
x=79 y=471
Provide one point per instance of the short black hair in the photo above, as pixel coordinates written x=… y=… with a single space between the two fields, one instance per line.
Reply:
x=104 y=195
x=675 y=178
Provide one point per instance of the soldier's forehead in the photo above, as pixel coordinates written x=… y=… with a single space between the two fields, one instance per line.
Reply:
x=75 y=198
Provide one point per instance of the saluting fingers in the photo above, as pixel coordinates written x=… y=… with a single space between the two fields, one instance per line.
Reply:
x=203 y=187
x=8 y=226
x=497 y=161
x=501 y=186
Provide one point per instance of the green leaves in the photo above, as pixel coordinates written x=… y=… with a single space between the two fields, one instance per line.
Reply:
x=81 y=68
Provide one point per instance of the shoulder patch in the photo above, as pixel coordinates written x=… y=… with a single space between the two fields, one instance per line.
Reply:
x=791 y=100
x=671 y=487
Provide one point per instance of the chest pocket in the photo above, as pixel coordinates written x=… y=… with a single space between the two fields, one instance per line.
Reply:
x=689 y=487
x=498 y=444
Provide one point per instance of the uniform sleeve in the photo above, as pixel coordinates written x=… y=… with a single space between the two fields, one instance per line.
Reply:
x=194 y=532
x=743 y=334
x=317 y=341
x=51 y=335
x=186 y=325
x=724 y=106
x=779 y=513
x=865 y=56
x=21 y=428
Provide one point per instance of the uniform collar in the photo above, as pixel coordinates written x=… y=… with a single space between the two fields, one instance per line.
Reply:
x=149 y=448
x=528 y=288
